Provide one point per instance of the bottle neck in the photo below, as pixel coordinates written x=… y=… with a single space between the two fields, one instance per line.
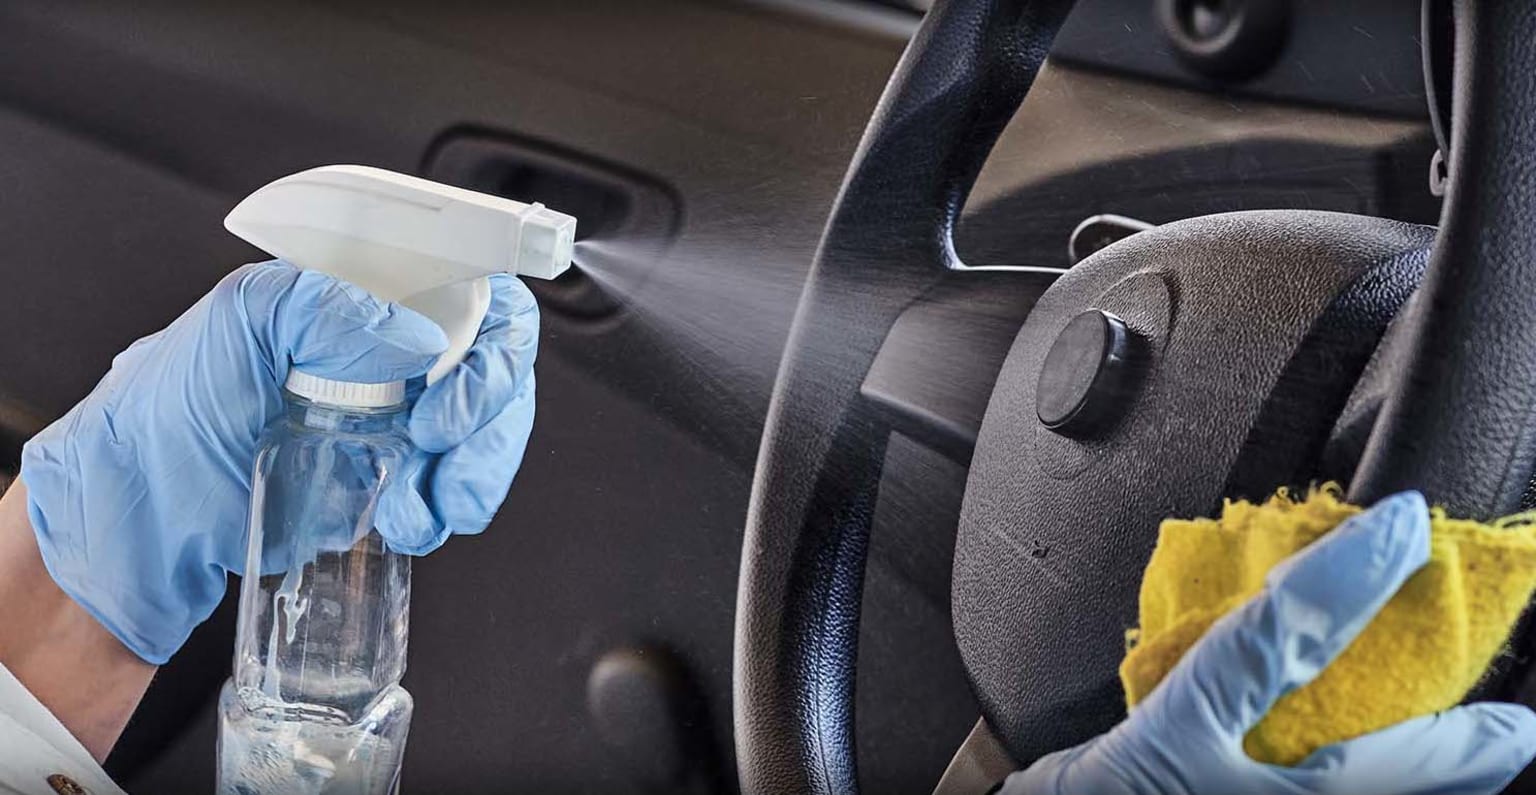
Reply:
x=312 y=415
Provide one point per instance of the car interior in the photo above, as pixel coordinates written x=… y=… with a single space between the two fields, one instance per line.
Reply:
x=787 y=398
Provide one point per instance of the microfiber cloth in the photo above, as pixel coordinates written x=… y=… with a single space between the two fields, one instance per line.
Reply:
x=1423 y=652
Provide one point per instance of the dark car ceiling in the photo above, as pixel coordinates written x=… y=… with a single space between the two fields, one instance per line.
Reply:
x=128 y=130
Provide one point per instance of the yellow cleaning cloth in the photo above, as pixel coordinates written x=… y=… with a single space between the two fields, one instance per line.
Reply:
x=1424 y=651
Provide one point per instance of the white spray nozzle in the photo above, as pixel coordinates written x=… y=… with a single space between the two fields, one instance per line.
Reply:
x=546 y=243
x=423 y=244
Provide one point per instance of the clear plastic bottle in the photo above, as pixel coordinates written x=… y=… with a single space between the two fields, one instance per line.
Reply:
x=315 y=703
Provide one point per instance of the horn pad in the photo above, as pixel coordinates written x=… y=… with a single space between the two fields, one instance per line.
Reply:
x=1247 y=334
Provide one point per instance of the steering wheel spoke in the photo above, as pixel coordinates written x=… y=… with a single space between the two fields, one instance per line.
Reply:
x=979 y=764
x=933 y=375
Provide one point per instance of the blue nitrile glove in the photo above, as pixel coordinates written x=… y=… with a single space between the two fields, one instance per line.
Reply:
x=138 y=494
x=1187 y=737
x=472 y=429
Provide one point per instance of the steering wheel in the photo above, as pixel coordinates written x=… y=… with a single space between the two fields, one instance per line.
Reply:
x=1220 y=356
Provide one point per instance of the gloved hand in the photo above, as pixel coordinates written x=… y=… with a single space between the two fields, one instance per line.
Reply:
x=1187 y=737
x=138 y=495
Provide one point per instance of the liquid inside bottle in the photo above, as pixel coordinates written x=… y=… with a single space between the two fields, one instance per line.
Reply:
x=315 y=704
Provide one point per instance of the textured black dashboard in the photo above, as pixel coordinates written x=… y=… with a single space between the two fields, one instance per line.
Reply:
x=1360 y=56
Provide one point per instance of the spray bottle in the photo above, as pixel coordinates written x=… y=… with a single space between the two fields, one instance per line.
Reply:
x=314 y=704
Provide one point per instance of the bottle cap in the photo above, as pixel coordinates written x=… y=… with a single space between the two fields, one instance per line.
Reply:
x=345 y=394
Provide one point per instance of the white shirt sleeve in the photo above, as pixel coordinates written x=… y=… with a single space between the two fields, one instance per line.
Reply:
x=35 y=747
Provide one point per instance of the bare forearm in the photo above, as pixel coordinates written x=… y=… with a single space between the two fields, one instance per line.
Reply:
x=78 y=670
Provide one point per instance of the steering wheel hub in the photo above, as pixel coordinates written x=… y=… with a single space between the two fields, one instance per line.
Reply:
x=1234 y=317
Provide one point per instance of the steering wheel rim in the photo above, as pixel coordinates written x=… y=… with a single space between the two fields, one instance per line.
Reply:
x=889 y=239
x=1460 y=420
x=1459 y=427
